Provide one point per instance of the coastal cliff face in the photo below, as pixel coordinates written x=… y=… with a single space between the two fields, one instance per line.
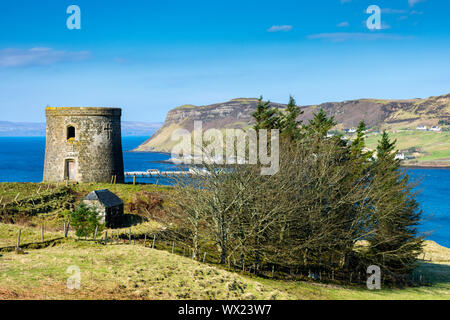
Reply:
x=378 y=114
x=232 y=114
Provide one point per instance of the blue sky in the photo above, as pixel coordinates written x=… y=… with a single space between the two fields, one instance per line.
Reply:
x=150 y=56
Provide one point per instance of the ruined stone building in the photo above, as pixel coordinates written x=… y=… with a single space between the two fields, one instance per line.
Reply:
x=83 y=145
x=108 y=205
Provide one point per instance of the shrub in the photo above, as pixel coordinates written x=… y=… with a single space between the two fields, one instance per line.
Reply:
x=85 y=220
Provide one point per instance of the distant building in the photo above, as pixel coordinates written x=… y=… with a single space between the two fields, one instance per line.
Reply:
x=108 y=205
x=352 y=130
x=435 y=128
x=400 y=156
x=424 y=128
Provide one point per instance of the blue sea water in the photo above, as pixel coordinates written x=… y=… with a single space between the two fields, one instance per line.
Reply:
x=22 y=160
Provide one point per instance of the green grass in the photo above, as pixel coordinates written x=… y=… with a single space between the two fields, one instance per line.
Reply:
x=135 y=272
x=9 y=234
x=123 y=191
x=433 y=146
x=9 y=190
x=121 y=272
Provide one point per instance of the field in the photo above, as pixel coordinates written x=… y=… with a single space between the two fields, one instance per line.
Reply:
x=430 y=146
x=136 y=272
x=120 y=270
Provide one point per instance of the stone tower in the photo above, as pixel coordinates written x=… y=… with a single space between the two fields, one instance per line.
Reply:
x=83 y=145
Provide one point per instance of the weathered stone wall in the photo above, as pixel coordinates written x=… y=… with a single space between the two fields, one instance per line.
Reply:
x=96 y=149
x=112 y=217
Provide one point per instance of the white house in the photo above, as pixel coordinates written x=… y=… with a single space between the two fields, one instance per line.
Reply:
x=424 y=128
x=435 y=128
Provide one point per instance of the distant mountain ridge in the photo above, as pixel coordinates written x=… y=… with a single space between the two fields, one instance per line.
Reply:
x=37 y=129
x=378 y=114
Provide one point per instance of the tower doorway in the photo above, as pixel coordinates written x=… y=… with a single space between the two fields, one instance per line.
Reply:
x=70 y=170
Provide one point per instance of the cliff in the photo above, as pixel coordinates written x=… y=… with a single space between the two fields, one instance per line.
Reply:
x=378 y=115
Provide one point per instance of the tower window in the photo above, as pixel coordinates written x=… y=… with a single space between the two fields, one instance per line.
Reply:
x=70 y=133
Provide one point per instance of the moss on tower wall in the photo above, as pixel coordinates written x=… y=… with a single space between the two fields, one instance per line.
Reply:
x=96 y=149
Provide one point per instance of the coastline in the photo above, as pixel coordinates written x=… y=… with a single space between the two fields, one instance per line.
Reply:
x=427 y=165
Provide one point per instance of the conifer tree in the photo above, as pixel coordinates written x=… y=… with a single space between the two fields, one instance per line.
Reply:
x=394 y=244
x=320 y=124
x=359 y=144
x=265 y=116
x=290 y=127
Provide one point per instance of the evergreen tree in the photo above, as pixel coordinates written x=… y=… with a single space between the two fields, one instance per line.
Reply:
x=290 y=127
x=85 y=220
x=360 y=156
x=265 y=116
x=320 y=124
x=359 y=143
x=394 y=244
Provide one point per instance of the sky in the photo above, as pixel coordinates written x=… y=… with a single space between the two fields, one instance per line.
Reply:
x=148 y=57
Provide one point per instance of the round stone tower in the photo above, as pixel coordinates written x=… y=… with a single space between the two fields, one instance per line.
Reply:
x=83 y=145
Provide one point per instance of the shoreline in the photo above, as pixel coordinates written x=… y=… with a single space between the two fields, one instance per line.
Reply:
x=406 y=166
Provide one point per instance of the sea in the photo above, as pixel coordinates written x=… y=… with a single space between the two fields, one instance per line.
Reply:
x=22 y=160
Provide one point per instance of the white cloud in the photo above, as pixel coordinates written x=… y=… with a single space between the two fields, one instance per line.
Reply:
x=384 y=25
x=343 y=24
x=38 y=56
x=393 y=11
x=284 y=28
x=412 y=3
x=345 y=36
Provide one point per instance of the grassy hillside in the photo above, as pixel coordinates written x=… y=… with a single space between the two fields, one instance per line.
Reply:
x=425 y=147
x=392 y=115
x=120 y=270
x=137 y=272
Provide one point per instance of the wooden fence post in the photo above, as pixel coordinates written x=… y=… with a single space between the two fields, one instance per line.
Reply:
x=145 y=239
x=15 y=199
x=117 y=236
x=130 y=236
x=42 y=233
x=153 y=245
x=106 y=237
x=67 y=229
x=64 y=231
x=95 y=233
x=204 y=257
x=134 y=180
x=173 y=244
x=18 y=238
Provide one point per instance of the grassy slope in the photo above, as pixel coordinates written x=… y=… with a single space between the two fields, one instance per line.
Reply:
x=9 y=232
x=132 y=272
x=433 y=146
x=135 y=272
